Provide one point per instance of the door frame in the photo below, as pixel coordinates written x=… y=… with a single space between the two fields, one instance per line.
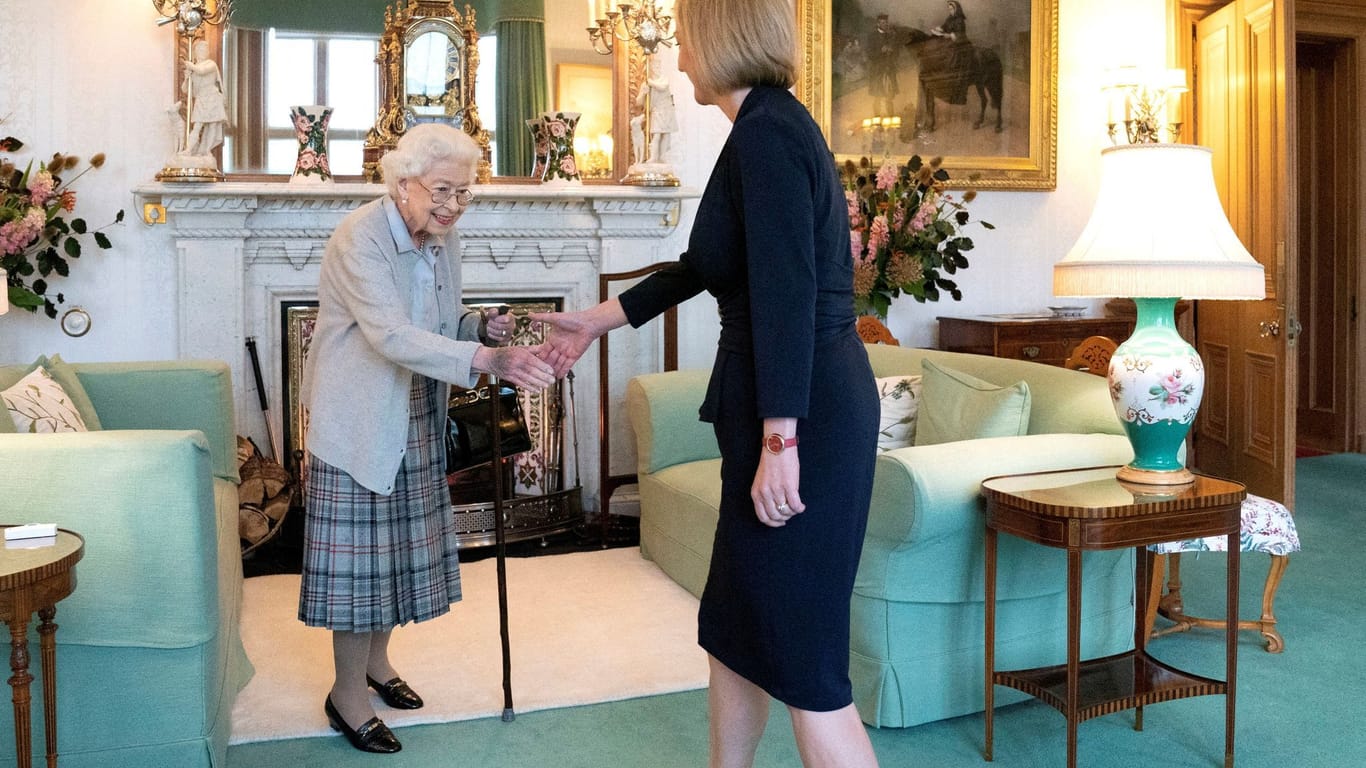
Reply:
x=1345 y=21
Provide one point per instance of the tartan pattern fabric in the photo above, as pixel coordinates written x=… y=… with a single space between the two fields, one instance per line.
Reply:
x=374 y=562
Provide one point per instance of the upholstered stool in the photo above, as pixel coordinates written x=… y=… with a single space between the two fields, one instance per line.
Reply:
x=1267 y=527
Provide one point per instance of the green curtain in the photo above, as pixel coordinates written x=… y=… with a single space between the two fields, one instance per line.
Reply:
x=523 y=92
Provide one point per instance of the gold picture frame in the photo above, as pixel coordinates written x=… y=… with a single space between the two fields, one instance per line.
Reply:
x=299 y=319
x=836 y=84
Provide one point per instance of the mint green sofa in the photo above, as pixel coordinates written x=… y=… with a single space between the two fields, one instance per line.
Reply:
x=917 y=611
x=149 y=653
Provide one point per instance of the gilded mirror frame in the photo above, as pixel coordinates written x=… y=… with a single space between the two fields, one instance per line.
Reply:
x=404 y=22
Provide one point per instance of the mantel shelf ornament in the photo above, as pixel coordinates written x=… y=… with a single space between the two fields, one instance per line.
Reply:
x=200 y=115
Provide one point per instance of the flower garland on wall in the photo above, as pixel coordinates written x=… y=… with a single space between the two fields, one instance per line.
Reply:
x=906 y=232
x=36 y=239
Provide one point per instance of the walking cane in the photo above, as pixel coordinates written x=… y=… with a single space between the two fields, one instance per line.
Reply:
x=261 y=397
x=500 y=537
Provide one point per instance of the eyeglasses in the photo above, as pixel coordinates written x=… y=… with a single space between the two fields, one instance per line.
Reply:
x=443 y=193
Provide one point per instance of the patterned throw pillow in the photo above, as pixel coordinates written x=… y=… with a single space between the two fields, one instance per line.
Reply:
x=37 y=403
x=899 y=397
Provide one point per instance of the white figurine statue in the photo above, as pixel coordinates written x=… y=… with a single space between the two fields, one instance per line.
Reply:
x=208 y=113
x=206 y=109
x=638 y=139
x=661 y=120
x=655 y=93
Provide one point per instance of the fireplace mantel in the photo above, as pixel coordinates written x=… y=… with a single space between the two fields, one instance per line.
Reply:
x=243 y=249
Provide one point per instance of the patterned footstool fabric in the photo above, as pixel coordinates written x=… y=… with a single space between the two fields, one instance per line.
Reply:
x=1267 y=527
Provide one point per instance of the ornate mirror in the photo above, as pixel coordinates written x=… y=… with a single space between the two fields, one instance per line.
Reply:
x=428 y=56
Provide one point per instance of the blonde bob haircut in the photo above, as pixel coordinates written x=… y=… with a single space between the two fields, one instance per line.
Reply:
x=740 y=43
x=423 y=146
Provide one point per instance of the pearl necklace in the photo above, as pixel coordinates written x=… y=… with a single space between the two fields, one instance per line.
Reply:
x=421 y=241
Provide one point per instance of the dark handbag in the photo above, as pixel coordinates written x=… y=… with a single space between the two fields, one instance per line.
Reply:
x=469 y=427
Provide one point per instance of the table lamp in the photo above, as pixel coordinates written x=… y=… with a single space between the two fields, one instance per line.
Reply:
x=1158 y=233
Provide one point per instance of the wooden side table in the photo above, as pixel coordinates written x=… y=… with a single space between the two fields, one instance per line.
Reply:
x=1090 y=509
x=34 y=580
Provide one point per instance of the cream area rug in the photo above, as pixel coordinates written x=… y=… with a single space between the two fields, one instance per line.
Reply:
x=585 y=627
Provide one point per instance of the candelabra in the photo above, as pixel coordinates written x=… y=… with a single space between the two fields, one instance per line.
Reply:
x=881 y=132
x=190 y=15
x=645 y=25
x=1144 y=103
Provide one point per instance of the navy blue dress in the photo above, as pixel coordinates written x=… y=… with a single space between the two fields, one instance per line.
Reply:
x=771 y=243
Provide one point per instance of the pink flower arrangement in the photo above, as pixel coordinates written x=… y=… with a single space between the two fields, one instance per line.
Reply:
x=36 y=240
x=905 y=232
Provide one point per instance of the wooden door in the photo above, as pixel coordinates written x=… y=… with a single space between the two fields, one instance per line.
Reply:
x=1327 y=155
x=1246 y=426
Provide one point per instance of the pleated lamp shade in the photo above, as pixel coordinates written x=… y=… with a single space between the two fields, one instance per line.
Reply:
x=1158 y=229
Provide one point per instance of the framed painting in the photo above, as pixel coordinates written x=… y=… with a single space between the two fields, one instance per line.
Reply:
x=975 y=83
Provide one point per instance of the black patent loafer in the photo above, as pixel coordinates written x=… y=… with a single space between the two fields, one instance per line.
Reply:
x=396 y=693
x=372 y=736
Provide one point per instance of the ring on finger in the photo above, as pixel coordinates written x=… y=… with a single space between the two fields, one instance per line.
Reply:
x=781 y=507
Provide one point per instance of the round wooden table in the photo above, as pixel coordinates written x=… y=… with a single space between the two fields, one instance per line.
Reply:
x=34 y=576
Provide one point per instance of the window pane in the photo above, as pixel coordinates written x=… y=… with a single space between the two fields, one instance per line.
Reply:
x=351 y=84
x=291 y=80
x=484 y=81
x=281 y=154
x=344 y=156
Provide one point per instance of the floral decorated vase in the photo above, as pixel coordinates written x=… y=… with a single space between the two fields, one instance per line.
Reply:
x=541 y=145
x=310 y=128
x=1156 y=382
x=561 y=166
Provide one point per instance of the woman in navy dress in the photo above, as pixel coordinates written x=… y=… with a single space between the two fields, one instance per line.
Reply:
x=791 y=379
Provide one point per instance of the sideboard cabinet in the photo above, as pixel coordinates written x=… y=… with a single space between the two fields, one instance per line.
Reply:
x=1040 y=338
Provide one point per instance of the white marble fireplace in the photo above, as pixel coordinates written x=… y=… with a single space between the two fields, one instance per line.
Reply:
x=243 y=250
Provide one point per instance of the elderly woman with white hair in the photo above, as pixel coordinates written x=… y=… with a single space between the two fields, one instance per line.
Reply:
x=391 y=335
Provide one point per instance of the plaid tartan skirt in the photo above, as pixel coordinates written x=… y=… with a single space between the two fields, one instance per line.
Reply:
x=373 y=562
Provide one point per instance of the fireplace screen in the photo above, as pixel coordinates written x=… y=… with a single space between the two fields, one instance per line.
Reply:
x=541 y=499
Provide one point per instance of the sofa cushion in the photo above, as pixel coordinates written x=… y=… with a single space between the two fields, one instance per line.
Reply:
x=899 y=398
x=37 y=403
x=1061 y=401
x=957 y=406
x=65 y=376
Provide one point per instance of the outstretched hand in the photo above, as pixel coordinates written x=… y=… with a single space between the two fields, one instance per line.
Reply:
x=519 y=365
x=570 y=335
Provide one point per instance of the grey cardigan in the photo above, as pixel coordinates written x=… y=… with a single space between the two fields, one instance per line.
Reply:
x=365 y=349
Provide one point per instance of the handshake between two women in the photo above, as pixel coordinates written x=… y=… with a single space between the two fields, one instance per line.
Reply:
x=570 y=334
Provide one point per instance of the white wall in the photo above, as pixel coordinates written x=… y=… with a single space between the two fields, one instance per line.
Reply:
x=84 y=76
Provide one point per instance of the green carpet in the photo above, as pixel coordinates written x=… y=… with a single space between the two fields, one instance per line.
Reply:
x=1295 y=710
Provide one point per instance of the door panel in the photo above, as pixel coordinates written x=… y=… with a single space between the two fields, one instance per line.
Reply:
x=1246 y=427
x=1325 y=106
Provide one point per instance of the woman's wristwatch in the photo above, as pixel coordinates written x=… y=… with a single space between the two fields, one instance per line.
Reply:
x=775 y=443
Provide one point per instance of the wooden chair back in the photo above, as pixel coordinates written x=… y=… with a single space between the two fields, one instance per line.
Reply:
x=872 y=331
x=1092 y=355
